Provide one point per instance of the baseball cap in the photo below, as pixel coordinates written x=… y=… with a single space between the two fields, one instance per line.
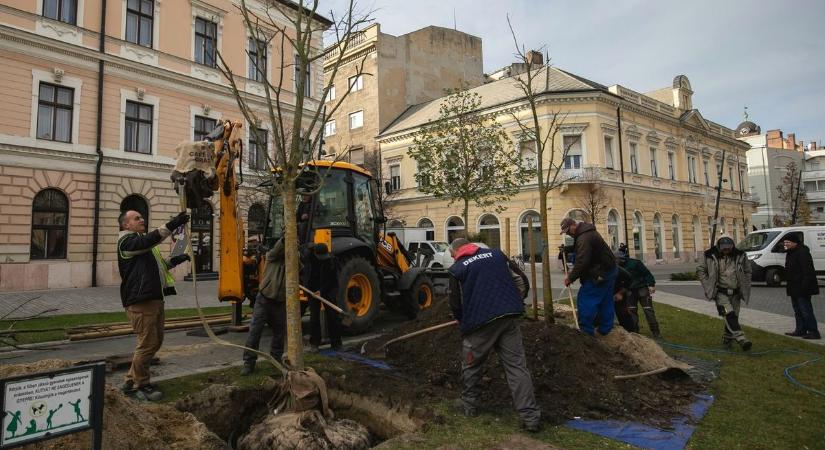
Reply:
x=565 y=224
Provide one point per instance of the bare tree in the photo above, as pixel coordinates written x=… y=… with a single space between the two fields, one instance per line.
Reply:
x=793 y=198
x=595 y=201
x=293 y=112
x=542 y=130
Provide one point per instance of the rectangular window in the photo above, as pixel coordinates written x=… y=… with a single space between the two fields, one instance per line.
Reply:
x=719 y=174
x=54 y=113
x=203 y=126
x=573 y=151
x=140 y=16
x=527 y=150
x=706 y=165
x=731 y=181
x=257 y=60
x=356 y=83
x=307 y=77
x=742 y=181
x=206 y=42
x=608 y=152
x=329 y=128
x=395 y=177
x=423 y=178
x=330 y=93
x=634 y=158
x=62 y=10
x=257 y=148
x=654 y=169
x=138 y=128
x=691 y=169
x=671 y=169
x=356 y=120
x=356 y=155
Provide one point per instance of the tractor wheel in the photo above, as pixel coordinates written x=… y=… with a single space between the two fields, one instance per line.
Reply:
x=418 y=297
x=359 y=293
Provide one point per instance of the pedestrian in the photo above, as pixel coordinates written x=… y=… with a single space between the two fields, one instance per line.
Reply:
x=323 y=281
x=596 y=268
x=145 y=281
x=488 y=305
x=621 y=292
x=801 y=281
x=725 y=273
x=642 y=285
x=269 y=309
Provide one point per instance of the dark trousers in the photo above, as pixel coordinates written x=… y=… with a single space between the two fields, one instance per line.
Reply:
x=628 y=322
x=803 y=312
x=641 y=296
x=331 y=318
x=266 y=312
x=504 y=336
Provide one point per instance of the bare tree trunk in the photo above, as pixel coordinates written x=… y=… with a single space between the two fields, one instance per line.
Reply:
x=466 y=219
x=547 y=294
x=294 y=336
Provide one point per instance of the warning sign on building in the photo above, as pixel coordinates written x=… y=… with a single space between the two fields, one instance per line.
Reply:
x=45 y=405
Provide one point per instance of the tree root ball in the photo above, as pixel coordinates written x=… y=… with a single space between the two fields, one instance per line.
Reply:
x=307 y=430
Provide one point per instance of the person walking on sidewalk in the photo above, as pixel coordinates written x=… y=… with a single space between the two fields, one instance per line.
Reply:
x=802 y=284
x=487 y=304
x=269 y=308
x=322 y=280
x=725 y=273
x=145 y=282
x=642 y=285
x=596 y=268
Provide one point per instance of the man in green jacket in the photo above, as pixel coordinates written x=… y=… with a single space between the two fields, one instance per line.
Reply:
x=642 y=285
x=270 y=308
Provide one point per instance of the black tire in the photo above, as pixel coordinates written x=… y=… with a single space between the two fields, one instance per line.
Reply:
x=418 y=297
x=774 y=277
x=359 y=273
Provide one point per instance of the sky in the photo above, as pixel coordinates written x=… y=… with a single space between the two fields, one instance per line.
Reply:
x=766 y=55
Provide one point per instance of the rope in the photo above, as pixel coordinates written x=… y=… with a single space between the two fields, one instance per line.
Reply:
x=786 y=371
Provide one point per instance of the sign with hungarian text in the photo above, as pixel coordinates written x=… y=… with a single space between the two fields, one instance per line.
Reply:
x=45 y=405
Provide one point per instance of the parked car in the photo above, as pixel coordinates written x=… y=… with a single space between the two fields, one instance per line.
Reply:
x=437 y=252
x=767 y=254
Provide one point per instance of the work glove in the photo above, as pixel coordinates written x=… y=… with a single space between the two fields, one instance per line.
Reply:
x=175 y=260
x=177 y=221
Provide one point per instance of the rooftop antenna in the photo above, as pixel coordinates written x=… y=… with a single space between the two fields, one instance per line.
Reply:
x=455 y=27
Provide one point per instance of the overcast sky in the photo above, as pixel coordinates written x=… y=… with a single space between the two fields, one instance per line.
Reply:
x=768 y=55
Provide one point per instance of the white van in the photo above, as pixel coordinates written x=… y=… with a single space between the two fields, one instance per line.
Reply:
x=767 y=255
x=439 y=251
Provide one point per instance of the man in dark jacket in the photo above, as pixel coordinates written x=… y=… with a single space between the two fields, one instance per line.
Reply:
x=621 y=292
x=802 y=284
x=322 y=280
x=596 y=268
x=145 y=280
x=269 y=308
x=642 y=285
x=725 y=273
x=487 y=304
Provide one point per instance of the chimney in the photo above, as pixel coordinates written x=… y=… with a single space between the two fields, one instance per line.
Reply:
x=535 y=58
x=791 y=141
x=774 y=138
x=811 y=146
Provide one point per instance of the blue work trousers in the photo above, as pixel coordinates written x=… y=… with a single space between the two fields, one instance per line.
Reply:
x=595 y=304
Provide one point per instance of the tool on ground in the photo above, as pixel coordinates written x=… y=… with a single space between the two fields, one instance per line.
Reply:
x=569 y=291
x=346 y=316
x=406 y=336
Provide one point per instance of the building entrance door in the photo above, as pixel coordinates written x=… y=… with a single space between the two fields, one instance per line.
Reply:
x=202 y=238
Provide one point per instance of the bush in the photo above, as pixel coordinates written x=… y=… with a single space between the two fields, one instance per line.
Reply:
x=684 y=276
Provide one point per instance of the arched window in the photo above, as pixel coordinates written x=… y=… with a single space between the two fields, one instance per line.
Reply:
x=613 y=228
x=676 y=236
x=429 y=228
x=489 y=229
x=256 y=221
x=524 y=224
x=455 y=228
x=697 y=235
x=137 y=203
x=658 y=236
x=722 y=229
x=638 y=235
x=50 y=219
x=395 y=223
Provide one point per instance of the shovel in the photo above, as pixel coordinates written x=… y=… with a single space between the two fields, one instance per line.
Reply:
x=406 y=336
x=346 y=316
x=569 y=291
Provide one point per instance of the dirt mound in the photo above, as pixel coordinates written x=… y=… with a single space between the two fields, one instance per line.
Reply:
x=128 y=424
x=572 y=373
x=305 y=430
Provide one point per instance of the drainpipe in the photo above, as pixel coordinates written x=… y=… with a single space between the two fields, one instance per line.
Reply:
x=621 y=170
x=99 y=138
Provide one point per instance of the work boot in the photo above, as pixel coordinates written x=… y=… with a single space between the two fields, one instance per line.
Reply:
x=795 y=333
x=745 y=344
x=147 y=393
x=533 y=427
x=812 y=336
x=127 y=387
x=464 y=409
x=247 y=369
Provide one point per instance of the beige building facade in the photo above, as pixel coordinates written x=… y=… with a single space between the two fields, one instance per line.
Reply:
x=160 y=87
x=670 y=155
x=395 y=73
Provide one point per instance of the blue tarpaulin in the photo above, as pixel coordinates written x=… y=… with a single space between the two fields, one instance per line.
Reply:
x=355 y=358
x=646 y=436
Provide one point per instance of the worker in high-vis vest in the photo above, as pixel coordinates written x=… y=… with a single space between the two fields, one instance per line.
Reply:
x=146 y=280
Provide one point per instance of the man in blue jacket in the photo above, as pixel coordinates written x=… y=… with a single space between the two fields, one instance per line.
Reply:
x=487 y=304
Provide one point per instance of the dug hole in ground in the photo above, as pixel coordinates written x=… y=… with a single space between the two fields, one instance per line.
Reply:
x=573 y=373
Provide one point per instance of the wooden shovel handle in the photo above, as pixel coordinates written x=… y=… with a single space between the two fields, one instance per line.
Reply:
x=323 y=300
x=419 y=332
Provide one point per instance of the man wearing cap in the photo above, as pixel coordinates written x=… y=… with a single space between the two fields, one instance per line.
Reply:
x=596 y=268
x=801 y=285
x=322 y=280
x=488 y=306
x=725 y=273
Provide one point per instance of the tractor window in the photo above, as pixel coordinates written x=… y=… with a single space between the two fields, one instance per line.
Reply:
x=364 y=213
x=331 y=203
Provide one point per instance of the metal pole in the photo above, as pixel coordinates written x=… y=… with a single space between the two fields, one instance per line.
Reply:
x=621 y=167
x=533 y=266
x=718 y=197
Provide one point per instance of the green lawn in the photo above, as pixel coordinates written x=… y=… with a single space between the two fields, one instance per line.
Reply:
x=72 y=320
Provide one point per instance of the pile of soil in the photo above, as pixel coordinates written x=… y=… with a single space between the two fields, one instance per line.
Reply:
x=572 y=373
x=128 y=424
